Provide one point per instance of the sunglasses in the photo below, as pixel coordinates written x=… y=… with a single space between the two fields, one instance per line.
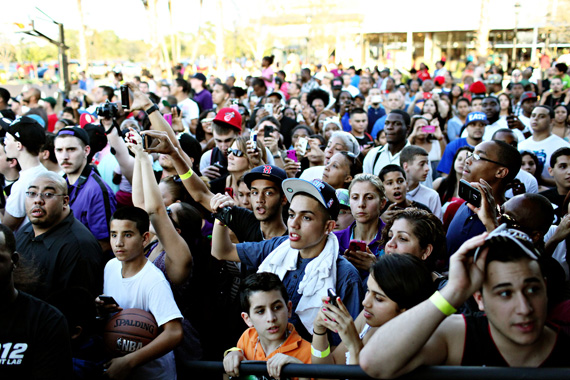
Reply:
x=169 y=213
x=235 y=152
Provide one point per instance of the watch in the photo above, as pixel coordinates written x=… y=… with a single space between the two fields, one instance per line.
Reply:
x=153 y=108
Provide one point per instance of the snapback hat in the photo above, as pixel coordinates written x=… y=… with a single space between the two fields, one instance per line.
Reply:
x=268 y=172
x=321 y=191
x=502 y=234
x=75 y=132
x=26 y=130
x=199 y=76
x=86 y=118
x=528 y=95
x=97 y=137
x=336 y=83
x=476 y=116
x=478 y=88
x=228 y=117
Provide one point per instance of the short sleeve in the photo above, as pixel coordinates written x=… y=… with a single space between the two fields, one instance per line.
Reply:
x=161 y=303
x=15 y=204
x=253 y=254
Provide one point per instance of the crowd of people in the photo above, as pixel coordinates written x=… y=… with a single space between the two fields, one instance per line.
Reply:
x=356 y=216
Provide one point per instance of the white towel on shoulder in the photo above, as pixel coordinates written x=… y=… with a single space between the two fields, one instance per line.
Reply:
x=320 y=274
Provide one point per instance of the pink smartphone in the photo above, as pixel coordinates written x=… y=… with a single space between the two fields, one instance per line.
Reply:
x=428 y=129
x=292 y=154
x=357 y=245
x=168 y=117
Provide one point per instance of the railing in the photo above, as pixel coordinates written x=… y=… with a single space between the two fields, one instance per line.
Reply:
x=424 y=373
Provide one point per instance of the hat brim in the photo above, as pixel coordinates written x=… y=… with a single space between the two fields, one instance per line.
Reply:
x=250 y=177
x=294 y=186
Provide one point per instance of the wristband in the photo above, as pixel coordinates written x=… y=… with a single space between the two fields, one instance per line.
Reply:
x=231 y=350
x=442 y=304
x=219 y=223
x=320 y=354
x=187 y=175
x=153 y=108
x=316 y=333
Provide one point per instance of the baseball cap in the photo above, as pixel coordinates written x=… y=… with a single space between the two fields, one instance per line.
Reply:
x=268 y=172
x=439 y=80
x=200 y=76
x=528 y=95
x=502 y=234
x=50 y=100
x=228 y=117
x=86 y=118
x=477 y=88
x=336 y=83
x=321 y=191
x=26 y=130
x=277 y=94
x=343 y=197
x=76 y=132
x=37 y=118
x=476 y=116
x=97 y=137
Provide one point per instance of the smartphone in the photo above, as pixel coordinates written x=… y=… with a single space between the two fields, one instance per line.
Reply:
x=332 y=296
x=292 y=154
x=427 y=95
x=168 y=117
x=146 y=141
x=304 y=143
x=269 y=108
x=267 y=131
x=357 y=245
x=125 y=98
x=108 y=300
x=428 y=129
x=230 y=191
x=219 y=166
x=469 y=193
x=253 y=138
x=234 y=103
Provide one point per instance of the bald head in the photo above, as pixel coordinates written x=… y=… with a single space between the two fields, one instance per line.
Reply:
x=533 y=212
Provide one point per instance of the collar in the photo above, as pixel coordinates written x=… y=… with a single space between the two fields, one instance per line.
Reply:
x=51 y=236
x=85 y=173
x=292 y=343
x=415 y=191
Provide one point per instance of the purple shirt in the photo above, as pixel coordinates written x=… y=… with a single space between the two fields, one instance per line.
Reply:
x=204 y=100
x=93 y=202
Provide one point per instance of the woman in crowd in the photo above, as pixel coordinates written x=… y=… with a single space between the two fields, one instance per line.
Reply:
x=330 y=125
x=505 y=104
x=560 y=122
x=318 y=126
x=204 y=132
x=531 y=164
x=433 y=142
x=447 y=187
x=297 y=132
x=396 y=283
x=456 y=93
x=456 y=123
x=273 y=141
x=341 y=169
x=367 y=199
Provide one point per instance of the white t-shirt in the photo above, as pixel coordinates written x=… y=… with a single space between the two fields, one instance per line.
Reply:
x=530 y=183
x=150 y=291
x=190 y=111
x=559 y=252
x=428 y=197
x=16 y=202
x=543 y=149
x=492 y=128
x=385 y=158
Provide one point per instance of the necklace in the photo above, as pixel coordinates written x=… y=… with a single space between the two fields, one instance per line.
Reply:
x=259 y=341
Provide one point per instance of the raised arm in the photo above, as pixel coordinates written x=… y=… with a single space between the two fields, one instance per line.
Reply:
x=222 y=246
x=125 y=160
x=424 y=335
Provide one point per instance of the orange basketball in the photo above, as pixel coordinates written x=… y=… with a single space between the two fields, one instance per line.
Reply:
x=129 y=330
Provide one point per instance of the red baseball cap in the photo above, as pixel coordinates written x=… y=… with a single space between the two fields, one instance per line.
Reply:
x=477 y=88
x=86 y=118
x=228 y=117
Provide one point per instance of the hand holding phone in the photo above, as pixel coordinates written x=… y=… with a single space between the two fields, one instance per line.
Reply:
x=229 y=191
x=303 y=144
x=357 y=245
x=125 y=97
x=292 y=154
x=471 y=194
x=428 y=129
x=269 y=108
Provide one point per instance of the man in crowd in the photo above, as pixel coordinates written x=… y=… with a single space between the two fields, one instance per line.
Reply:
x=91 y=199
x=517 y=90
x=396 y=101
x=221 y=95
x=560 y=171
x=202 y=96
x=23 y=141
x=63 y=250
x=100 y=95
x=188 y=107
x=308 y=83
x=475 y=125
x=31 y=99
x=492 y=108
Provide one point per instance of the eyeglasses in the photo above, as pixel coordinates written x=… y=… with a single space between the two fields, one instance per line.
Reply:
x=169 y=213
x=353 y=157
x=235 y=152
x=477 y=157
x=46 y=195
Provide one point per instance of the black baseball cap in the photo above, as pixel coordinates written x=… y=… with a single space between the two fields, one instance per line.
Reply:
x=321 y=191
x=76 y=132
x=269 y=172
x=26 y=130
x=200 y=76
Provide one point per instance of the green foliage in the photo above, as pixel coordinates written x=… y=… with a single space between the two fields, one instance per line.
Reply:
x=104 y=45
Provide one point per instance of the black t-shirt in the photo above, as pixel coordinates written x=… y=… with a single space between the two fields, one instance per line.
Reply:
x=552 y=102
x=556 y=199
x=67 y=255
x=481 y=350
x=245 y=226
x=34 y=341
x=364 y=140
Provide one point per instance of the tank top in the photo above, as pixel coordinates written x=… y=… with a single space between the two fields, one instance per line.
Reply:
x=361 y=336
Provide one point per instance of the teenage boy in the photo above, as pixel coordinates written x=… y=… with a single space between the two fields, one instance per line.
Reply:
x=266 y=309
x=135 y=282
x=475 y=125
x=359 y=123
x=560 y=170
x=543 y=142
x=393 y=179
x=507 y=281
x=307 y=260
x=414 y=161
x=555 y=95
x=23 y=141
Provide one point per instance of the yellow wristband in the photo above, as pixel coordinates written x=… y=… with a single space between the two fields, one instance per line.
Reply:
x=320 y=354
x=442 y=304
x=187 y=175
x=232 y=349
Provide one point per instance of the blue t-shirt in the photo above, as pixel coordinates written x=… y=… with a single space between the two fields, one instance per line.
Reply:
x=378 y=126
x=345 y=124
x=373 y=115
x=454 y=127
x=447 y=156
x=348 y=285
x=464 y=225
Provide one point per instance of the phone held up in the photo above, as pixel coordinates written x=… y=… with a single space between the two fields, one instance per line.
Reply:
x=357 y=245
x=471 y=194
x=125 y=98
x=332 y=296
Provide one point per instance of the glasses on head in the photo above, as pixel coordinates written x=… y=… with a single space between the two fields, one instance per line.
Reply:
x=169 y=213
x=353 y=157
x=45 y=195
x=477 y=157
x=176 y=178
x=235 y=152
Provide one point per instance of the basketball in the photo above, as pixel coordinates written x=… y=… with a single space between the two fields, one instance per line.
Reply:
x=129 y=330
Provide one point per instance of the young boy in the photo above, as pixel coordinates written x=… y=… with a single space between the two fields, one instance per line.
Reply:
x=266 y=309
x=560 y=170
x=135 y=282
x=414 y=161
x=393 y=179
x=359 y=124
